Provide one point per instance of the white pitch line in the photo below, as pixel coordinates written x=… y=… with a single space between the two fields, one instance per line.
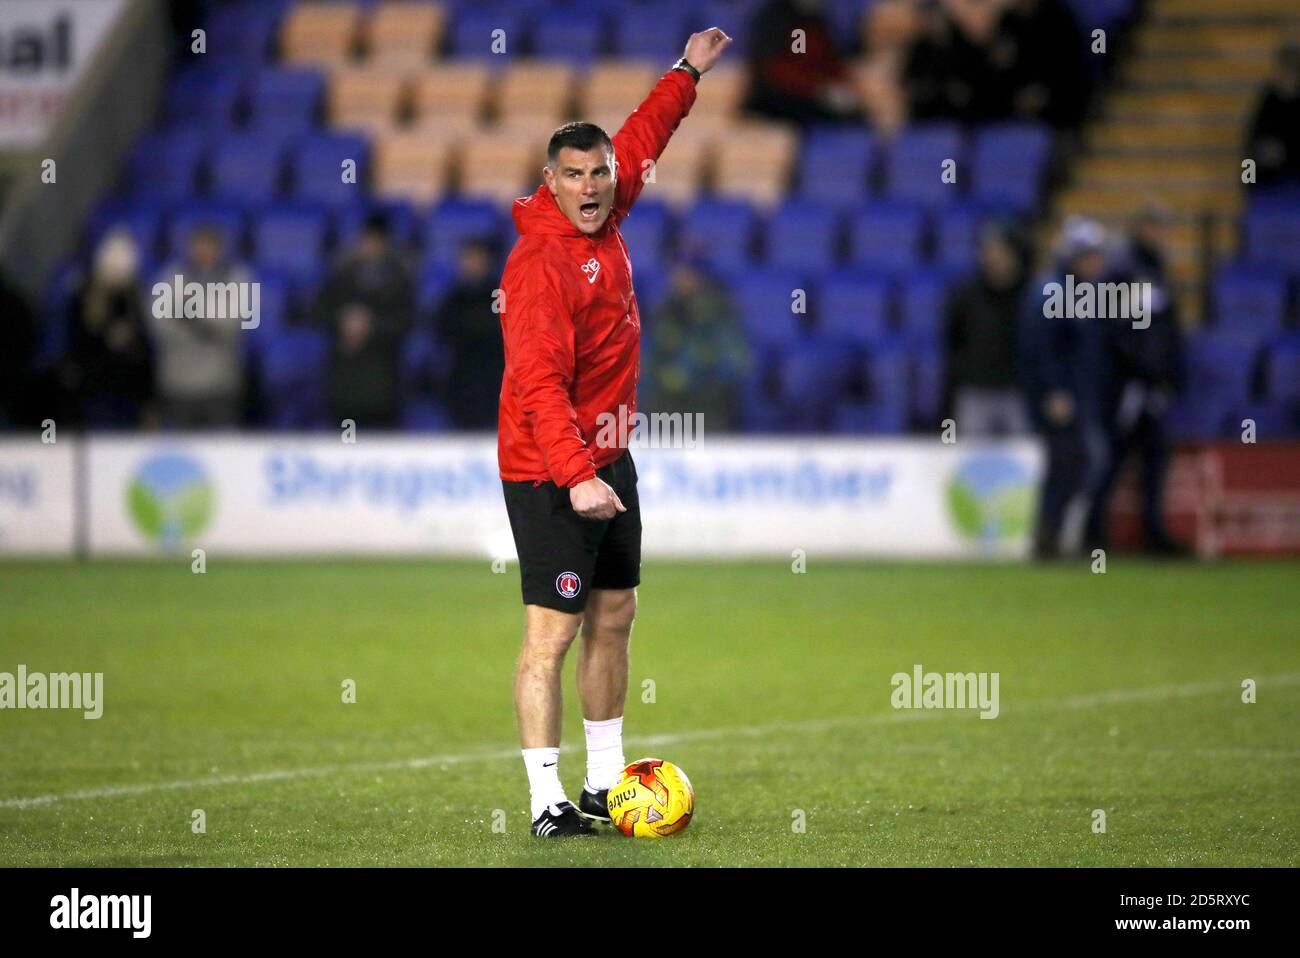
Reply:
x=1092 y=700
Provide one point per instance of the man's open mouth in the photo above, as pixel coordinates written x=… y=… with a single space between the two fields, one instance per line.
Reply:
x=589 y=210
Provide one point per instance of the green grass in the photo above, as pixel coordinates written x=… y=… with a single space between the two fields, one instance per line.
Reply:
x=774 y=688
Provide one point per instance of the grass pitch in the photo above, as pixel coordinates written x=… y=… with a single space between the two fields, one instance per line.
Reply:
x=222 y=692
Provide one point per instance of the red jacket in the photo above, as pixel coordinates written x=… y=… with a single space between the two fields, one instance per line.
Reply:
x=569 y=316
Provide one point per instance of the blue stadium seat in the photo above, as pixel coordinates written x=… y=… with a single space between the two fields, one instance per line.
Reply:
x=208 y=94
x=318 y=169
x=1283 y=370
x=290 y=240
x=646 y=31
x=165 y=164
x=1219 y=366
x=1273 y=236
x=646 y=232
x=1009 y=164
x=915 y=165
x=886 y=237
x=243 y=32
x=472 y=31
x=575 y=39
x=292 y=364
x=452 y=222
x=925 y=387
x=225 y=218
x=142 y=219
x=246 y=169
x=813 y=375
x=922 y=297
x=432 y=284
x=286 y=99
x=403 y=222
x=764 y=299
x=734 y=17
x=835 y=165
x=721 y=232
x=1250 y=300
x=956 y=235
x=802 y=235
x=853 y=306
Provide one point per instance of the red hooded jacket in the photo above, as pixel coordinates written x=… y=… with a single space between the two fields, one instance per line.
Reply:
x=569 y=316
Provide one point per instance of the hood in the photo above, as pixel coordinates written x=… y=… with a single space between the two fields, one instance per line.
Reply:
x=539 y=214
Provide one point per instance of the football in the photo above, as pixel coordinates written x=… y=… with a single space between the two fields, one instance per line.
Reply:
x=654 y=798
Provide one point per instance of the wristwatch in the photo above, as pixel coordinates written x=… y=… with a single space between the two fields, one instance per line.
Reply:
x=687 y=68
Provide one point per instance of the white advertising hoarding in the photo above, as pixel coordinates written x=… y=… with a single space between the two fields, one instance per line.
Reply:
x=258 y=495
x=37 y=497
x=45 y=47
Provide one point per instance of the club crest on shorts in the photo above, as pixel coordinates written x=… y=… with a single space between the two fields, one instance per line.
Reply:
x=568 y=584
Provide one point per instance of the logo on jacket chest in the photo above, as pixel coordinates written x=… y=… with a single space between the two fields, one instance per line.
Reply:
x=590 y=269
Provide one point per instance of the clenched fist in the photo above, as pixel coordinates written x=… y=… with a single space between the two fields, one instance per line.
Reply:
x=703 y=49
x=594 y=499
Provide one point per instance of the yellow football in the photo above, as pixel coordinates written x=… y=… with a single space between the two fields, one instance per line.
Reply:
x=654 y=798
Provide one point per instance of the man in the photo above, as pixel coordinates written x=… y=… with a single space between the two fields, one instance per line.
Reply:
x=368 y=307
x=572 y=341
x=1062 y=365
x=470 y=329
x=201 y=359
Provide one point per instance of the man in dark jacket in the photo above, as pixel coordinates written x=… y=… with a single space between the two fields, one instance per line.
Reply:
x=1274 y=138
x=1146 y=372
x=471 y=331
x=367 y=305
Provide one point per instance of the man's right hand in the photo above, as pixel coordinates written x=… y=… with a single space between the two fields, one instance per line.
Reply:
x=594 y=499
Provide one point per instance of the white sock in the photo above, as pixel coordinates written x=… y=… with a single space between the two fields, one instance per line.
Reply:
x=604 y=753
x=543 y=765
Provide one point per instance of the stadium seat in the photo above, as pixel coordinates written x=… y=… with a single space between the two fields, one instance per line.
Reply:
x=403 y=221
x=718 y=101
x=886 y=237
x=324 y=34
x=245 y=169
x=318 y=168
x=925 y=387
x=1008 y=165
x=922 y=297
x=1283 y=370
x=802 y=235
x=451 y=90
x=404 y=35
x=835 y=166
x=411 y=165
x=290 y=240
x=765 y=300
x=649 y=32
x=206 y=95
x=500 y=166
x=454 y=221
x=243 y=32
x=614 y=89
x=853 y=306
x=166 y=165
x=535 y=89
x=291 y=365
x=474 y=33
x=1250 y=299
x=956 y=235
x=813 y=375
x=1273 y=236
x=754 y=162
x=226 y=218
x=678 y=177
x=366 y=99
x=914 y=167
x=721 y=232
x=1219 y=367
x=141 y=219
x=286 y=100
x=646 y=233
x=574 y=39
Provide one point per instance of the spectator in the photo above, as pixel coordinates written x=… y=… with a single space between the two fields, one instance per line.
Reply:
x=471 y=330
x=1274 y=139
x=947 y=71
x=1145 y=367
x=108 y=373
x=698 y=358
x=805 y=84
x=1037 y=57
x=1061 y=362
x=367 y=306
x=18 y=340
x=981 y=321
x=200 y=358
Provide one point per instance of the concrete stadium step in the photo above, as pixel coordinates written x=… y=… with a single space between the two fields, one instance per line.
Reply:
x=1165 y=38
x=1215 y=10
x=1142 y=170
x=1190 y=104
x=1222 y=138
x=1219 y=71
x=1122 y=200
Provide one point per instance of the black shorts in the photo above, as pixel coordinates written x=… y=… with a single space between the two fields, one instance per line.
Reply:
x=562 y=556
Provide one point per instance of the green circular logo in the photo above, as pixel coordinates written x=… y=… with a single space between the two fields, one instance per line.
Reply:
x=991 y=499
x=171 y=499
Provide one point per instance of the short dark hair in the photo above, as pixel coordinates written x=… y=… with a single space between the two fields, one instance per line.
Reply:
x=580 y=136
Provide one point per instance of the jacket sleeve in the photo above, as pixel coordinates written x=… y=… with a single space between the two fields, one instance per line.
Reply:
x=646 y=132
x=537 y=324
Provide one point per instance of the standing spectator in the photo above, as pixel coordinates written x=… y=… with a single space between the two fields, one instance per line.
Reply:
x=1039 y=49
x=471 y=330
x=1062 y=364
x=981 y=328
x=200 y=358
x=811 y=83
x=1146 y=372
x=108 y=373
x=367 y=306
x=698 y=357
x=1274 y=139
x=18 y=340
